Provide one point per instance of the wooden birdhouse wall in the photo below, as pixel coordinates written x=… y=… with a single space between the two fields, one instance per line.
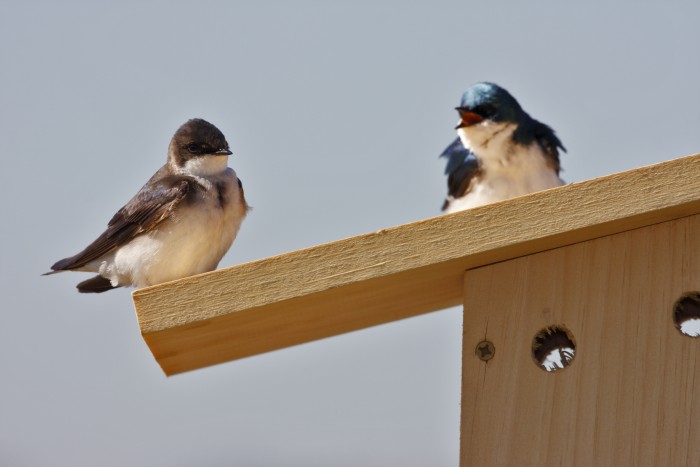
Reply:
x=631 y=394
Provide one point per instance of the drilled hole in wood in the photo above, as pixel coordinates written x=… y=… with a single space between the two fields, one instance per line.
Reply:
x=686 y=314
x=553 y=348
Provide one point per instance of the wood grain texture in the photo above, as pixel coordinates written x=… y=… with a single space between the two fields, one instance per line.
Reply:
x=631 y=396
x=393 y=273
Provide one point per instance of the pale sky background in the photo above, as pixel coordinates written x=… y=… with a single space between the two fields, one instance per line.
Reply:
x=336 y=113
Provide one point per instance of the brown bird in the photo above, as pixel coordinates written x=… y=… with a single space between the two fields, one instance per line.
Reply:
x=180 y=223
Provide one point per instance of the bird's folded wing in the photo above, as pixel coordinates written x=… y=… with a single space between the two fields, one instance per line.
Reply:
x=152 y=205
x=549 y=142
x=461 y=168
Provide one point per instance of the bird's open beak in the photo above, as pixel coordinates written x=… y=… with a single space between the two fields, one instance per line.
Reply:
x=467 y=117
x=222 y=152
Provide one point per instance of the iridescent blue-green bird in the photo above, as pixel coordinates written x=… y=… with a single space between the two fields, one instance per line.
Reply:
x=501 y=152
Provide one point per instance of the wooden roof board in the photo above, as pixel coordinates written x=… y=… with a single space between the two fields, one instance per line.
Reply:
x=396 y=272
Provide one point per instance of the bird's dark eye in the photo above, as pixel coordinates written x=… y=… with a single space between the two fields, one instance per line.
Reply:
x=193 y=148
x=486 y=111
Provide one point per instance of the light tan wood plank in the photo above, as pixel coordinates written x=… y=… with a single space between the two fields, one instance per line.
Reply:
x=631 y=394
x=394 y=273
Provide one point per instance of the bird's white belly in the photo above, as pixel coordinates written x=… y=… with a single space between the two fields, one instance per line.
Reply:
x=176 y=250
x=522 y=173
x=191 y=242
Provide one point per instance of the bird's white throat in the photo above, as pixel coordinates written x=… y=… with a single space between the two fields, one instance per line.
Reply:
x=490 y=141
x=204 y=166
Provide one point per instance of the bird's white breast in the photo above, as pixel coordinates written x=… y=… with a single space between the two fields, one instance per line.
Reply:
x=507 y=169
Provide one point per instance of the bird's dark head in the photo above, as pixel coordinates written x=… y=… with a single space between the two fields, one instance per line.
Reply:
x=487 y=102
x=198 y=147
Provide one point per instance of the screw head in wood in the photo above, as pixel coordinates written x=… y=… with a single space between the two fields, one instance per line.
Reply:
x=485 y=350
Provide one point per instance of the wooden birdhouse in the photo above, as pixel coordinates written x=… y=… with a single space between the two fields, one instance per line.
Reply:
x=593 y=281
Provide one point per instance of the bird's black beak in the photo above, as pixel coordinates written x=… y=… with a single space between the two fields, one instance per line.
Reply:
x=222 y=152
x=467 y=117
